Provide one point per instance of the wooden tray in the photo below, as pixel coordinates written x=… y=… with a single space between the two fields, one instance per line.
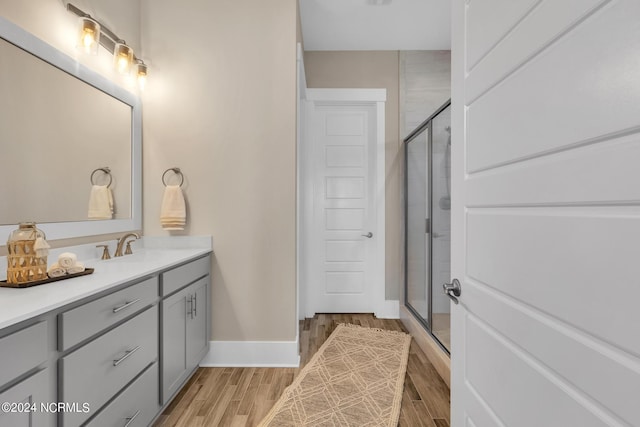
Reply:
x=4 y=284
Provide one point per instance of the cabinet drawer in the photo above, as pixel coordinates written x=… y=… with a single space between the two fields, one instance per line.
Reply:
x=22 y=351
x=95 y=372
x=137 y=405
x=179 y=277
x=82 y=322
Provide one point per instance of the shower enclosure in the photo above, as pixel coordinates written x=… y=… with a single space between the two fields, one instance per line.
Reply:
x=428 y=223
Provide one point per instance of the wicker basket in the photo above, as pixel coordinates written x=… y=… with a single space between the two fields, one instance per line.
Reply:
x=23 y=264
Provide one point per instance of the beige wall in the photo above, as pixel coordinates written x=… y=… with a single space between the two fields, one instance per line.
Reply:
x=371 y=69
x=221 y=105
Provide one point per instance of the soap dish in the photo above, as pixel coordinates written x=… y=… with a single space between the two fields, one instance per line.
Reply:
x=4 y=284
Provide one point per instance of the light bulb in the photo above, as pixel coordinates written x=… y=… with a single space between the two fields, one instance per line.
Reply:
x=142 y=74
x=88 y=35
x=123 y=58
x=123 y=64
x=87 y=40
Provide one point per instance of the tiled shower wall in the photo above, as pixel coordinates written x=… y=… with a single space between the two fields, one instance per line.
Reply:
x=425 y=84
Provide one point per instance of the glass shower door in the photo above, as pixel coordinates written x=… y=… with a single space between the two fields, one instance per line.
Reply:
x=428 y=223
x=417 y=245
x=440 y=215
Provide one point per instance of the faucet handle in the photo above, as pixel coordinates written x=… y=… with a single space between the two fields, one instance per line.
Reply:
x=105 y=252
x=128 y=251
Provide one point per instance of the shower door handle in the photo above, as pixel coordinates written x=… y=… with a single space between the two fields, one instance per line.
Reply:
x=452 y=290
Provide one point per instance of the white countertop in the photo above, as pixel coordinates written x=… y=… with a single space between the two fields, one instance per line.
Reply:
x=151 y=255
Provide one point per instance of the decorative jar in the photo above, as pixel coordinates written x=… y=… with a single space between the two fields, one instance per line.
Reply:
x=27 y=254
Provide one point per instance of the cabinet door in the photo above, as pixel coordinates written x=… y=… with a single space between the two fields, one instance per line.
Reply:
x=197 y=337
x=174 y=344
x=32 y=391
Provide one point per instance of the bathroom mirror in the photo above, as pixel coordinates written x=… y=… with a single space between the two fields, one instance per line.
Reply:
x=59 y=123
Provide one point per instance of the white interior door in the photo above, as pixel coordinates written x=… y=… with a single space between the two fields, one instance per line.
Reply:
x=546 y=213
x=347 y=247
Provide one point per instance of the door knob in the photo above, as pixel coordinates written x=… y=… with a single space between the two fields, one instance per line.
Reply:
x=368 y=235
x=452 y=290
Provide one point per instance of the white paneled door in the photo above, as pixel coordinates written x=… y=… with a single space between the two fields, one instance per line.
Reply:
x=546 y=213
x=345 y=241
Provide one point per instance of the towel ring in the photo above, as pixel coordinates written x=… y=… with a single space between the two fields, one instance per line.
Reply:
x=177 y=171
x=107 y=171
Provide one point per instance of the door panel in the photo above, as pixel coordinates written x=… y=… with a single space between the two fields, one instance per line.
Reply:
x=531 y=390
x=345 y=188
x=343 y=139
x=480 y=37
x=555 y=346
x=345 y=156
x=588 y=181
x=174 y=331
x=197 y=340
x=32 y=392
x=344 y=219
x=345 y=251
x=546 y=218
x=545 y=251
x=522 y=121
x=545 y=22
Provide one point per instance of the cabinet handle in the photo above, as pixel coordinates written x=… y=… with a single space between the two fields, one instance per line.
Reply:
x=125 y=305
x=190 y=309
x=130 y=419
x=195 y=305
x=116 y=362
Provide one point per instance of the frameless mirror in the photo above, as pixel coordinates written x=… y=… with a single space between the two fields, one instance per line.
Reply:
x=60 y=126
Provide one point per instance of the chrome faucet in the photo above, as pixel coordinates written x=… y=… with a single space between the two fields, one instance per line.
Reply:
x=121 y=242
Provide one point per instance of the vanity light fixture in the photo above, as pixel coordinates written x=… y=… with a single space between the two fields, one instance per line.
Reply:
x=122 y=57
x=88 y=35
x=141 y=74
x=92 y=33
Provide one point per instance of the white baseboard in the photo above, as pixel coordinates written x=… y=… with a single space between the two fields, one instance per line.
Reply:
x=277 y=354
x=390 y=309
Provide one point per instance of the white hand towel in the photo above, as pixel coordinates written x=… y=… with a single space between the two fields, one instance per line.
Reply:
x=173 y=212
x=56 y=271
x=100 y=202
x=78 y=267
x=67 y=260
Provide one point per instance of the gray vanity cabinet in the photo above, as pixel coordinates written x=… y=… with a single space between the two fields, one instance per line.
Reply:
x=115 y=358
x=185 y=338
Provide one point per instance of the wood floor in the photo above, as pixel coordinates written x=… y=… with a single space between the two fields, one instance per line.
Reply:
x=243 y=396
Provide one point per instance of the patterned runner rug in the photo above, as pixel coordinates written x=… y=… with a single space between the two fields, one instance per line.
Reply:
x=355 y=379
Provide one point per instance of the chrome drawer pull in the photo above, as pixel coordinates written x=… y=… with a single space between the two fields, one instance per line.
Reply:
x=195 y=305
x=116 y=362
x=125 y=305
x=130 y=419
x=190 y=312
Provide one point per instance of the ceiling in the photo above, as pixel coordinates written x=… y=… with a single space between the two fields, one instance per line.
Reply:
x=376 y=24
